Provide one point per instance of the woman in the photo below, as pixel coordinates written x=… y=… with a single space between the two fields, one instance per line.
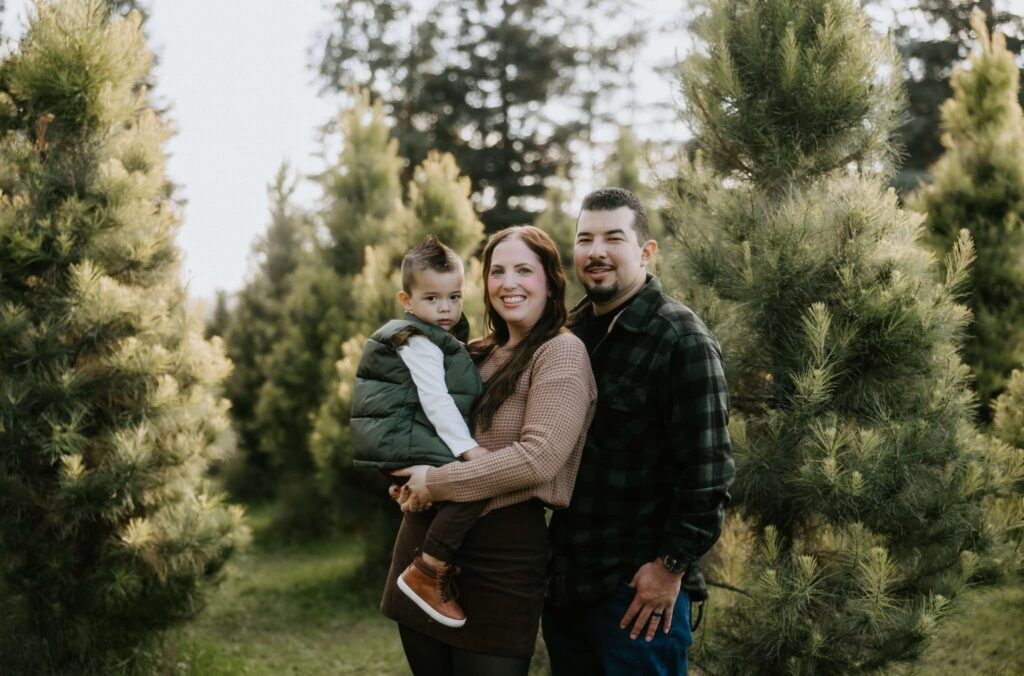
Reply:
x=533 y=416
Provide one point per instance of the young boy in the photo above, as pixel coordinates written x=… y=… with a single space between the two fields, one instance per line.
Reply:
x=415 y=388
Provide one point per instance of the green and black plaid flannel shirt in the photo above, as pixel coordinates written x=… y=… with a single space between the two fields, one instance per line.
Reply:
x=657 y=463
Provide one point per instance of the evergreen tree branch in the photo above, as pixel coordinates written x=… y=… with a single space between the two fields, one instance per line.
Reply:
x=714 y=583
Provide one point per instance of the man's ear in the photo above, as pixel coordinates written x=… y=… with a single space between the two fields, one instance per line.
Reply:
x=647 y=252
x=405 y=300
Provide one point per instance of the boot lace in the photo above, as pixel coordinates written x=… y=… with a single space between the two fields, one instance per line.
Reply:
x=446 y=584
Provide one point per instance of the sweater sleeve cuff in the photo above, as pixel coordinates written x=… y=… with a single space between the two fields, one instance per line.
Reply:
x=439 y=484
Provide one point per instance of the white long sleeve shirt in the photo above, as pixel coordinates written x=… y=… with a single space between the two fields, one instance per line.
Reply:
x=425 y=362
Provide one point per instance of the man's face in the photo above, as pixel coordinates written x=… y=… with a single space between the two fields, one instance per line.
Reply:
x=610 y=262
x=435 y=297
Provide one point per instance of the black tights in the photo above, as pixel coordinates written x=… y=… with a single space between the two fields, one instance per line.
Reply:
x=430 y=657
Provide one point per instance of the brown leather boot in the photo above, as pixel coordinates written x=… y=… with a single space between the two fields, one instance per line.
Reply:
x=430 y=588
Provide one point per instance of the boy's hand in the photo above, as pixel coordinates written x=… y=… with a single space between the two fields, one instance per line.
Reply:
x=474 y=453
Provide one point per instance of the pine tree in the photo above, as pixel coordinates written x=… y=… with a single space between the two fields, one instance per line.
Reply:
x=258 y=322
x=363 y=189
x=1006 y=452
x=477 y=79
x=625 y=170
x=220 y=318
x=295 y=384
x=932 y=38
x=860 y=477
x=979 y=185
x=558 y=222
x=439 y=196
x=108 y=391
x=1009 y=411
x=623 y=166
x=362 y=212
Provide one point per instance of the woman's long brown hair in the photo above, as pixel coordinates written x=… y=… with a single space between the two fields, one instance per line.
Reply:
x=503 y=383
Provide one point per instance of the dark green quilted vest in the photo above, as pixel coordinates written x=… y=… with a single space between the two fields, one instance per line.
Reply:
x=389 y=428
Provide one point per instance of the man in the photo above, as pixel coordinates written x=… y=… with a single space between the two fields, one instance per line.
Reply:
x=653 y=483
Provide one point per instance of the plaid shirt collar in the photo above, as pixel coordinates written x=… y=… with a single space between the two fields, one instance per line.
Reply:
x=636 y=315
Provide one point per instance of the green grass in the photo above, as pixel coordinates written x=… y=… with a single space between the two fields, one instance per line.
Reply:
x=985 y=636
x=286 y=609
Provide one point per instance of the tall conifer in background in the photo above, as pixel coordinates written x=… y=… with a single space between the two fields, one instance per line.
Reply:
x=219 y=319
x=623 y=166
x=1009 y=411
x=362 y=208
x=860 y=477
x=558 y=221
x=257 y=324
x=625 y=169
x=487 y=81
x=978 y=184
x=1006 y=448
x=108 y=392
x=933 y=36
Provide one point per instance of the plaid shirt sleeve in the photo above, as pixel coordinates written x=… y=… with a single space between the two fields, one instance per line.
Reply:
x=696 y=413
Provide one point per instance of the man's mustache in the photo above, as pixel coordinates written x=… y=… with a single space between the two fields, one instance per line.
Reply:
x=598 y=264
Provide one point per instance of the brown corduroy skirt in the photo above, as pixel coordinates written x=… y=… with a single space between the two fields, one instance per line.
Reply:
x=504 y=562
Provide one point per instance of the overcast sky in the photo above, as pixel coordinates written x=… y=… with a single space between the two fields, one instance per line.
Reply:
x=235 y=75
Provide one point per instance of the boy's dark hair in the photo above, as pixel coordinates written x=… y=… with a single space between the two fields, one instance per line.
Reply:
x=610 y=199
x=430 y=254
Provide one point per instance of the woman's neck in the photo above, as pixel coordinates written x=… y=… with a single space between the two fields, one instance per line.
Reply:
x=514 y=337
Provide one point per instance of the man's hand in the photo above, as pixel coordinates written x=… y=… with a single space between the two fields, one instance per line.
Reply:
x=475 y=452
x=656 y=591
x=419 y=494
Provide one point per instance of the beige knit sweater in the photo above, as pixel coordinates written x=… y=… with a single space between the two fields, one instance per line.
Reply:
x=536 y=438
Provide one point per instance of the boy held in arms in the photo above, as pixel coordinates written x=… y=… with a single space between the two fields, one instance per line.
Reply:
x=415 y=388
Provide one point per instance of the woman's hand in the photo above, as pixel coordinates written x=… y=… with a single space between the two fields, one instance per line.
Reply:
x=406 y=499
x=415 y=488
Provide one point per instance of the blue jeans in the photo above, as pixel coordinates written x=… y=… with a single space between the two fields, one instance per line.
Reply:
x=585 y=639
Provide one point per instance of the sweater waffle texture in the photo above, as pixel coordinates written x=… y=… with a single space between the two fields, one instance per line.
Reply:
x=536 y=438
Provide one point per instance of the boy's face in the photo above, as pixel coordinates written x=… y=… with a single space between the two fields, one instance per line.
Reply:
x=435 y=297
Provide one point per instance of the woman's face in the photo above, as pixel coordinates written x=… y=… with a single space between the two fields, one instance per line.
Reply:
x=517 y=286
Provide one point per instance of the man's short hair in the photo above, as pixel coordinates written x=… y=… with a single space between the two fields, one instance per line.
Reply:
x=610 y=199
x=429 y=254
